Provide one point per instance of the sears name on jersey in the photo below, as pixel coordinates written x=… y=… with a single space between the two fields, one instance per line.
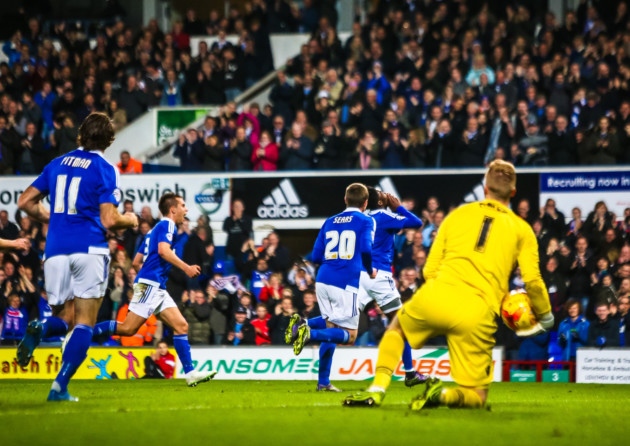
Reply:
x=346 y=219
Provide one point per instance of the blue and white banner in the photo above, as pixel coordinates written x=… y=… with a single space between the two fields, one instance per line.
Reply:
x=584 y=189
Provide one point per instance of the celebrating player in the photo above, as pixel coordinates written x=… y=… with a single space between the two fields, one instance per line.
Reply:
x=467 y=276
x=149 y=290
x=343 y=248
x=84 y=197
x=382 y=289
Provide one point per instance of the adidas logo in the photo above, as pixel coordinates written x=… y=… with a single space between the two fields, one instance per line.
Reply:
x=282 y=202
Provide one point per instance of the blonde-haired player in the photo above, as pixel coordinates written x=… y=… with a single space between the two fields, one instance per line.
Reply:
x=467 y=274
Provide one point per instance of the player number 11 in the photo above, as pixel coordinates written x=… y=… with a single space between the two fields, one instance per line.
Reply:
x=60 y=194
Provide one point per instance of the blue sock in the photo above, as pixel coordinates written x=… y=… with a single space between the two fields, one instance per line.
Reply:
x=317 y=323
x=407 y=359
x=73 y=356
x=54 y=326
x=336 y=335
x=107 y=328
x=326 y=351
x=182 y=347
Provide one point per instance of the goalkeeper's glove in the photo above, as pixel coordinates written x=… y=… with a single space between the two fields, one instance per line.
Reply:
x=545 y=322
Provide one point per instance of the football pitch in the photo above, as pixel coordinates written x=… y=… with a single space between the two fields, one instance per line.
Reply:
x=158 y=412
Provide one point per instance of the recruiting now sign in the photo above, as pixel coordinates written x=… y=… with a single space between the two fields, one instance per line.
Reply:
x=349 y=363
x=584 y=189
x=101 y=363
x=606 y=366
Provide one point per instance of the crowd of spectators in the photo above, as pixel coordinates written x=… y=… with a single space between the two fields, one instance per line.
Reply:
x=247 y=293
x=439 y=84
x=54 y=76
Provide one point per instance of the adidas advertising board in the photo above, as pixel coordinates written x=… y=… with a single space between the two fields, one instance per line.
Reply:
x=320 y=196
x=282 y=202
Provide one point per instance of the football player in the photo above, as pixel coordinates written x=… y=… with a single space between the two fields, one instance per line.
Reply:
x=343 y=248
x=149 y=290
x=466 y=274
x=84 y=197
x=382 y=289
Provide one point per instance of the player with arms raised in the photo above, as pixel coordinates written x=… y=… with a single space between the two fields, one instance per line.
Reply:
x=343 y=248
x=84 y=197
x=382 y=289
x=149 y=290
x=466 y=274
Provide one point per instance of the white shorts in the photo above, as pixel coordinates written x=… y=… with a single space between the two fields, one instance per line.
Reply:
x=149 y=299
x=79 y=275
x=382 y=289
x=338 y=306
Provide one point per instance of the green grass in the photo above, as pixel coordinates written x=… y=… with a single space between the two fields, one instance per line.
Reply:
x=166 y=413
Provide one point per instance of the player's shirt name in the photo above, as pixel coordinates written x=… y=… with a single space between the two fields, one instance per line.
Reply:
x=346 y=219
x=492 y=206
x=74 y=161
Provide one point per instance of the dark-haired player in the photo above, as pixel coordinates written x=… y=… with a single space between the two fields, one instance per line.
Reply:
x=382 y=289
x=84 y=197
x=149 y=290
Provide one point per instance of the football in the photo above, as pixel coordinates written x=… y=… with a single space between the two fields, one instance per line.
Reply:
x=516 y=311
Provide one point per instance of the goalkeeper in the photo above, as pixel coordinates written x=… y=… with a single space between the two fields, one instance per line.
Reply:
x=466 y=275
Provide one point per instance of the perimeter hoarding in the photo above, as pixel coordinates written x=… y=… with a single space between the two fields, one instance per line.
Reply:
x=603 y=366
x=101 y=363
x=584 y=189
x=349 y=363
x=321 y=195
x=204 y=193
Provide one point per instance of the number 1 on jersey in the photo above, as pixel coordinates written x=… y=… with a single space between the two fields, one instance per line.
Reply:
x=483 y=234
x=60 y=195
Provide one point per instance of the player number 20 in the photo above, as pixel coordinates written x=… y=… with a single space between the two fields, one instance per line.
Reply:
x=60 y=194
x=340 y=245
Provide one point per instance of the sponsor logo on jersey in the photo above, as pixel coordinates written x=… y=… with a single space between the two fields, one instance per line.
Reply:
x=282 y=202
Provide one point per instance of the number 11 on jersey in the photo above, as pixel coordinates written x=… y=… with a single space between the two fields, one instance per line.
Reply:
x=60 y=195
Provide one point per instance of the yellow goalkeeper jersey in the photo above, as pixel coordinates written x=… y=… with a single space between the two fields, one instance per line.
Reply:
x=478 y=246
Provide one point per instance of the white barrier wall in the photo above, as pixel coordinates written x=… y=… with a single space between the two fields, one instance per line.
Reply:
x=204 y=194
x=349 y=363
x=605 y=366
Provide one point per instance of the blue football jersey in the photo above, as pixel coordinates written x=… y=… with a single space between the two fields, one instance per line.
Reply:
x=155 y=269
x=343 y=244
x=78 y=183
x=387 y=225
